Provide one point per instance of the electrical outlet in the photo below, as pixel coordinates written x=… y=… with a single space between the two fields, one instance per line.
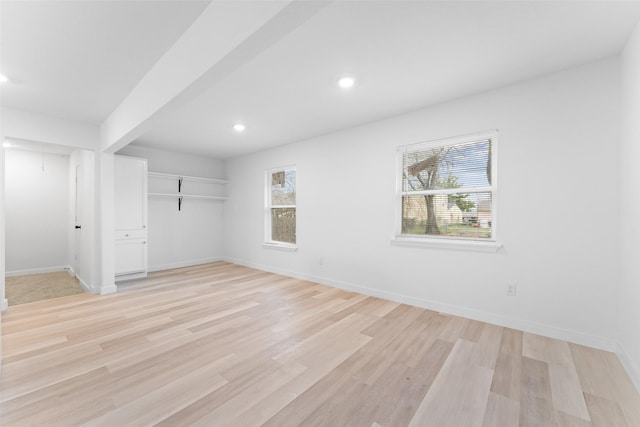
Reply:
x=321 y=261
x=511 y=289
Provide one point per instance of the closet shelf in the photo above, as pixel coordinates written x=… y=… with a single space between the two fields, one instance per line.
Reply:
x=181 y=180
x=187 y=196
x=187 y=178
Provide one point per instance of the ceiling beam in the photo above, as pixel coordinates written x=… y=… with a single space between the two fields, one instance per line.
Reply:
x=223 y=38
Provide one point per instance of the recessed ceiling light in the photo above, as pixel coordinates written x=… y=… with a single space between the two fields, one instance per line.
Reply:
x=3 y=78
x=346 y=82
x=239 y=127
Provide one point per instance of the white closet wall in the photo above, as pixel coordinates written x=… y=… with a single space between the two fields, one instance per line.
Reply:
x=37 y=211
x=191 y=235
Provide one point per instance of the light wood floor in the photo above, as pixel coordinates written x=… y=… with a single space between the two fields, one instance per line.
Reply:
x=224 y=345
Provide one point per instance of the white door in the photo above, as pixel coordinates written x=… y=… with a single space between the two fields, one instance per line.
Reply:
x=79 y=207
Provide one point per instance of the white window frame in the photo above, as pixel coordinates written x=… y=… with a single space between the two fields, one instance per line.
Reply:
x=268 y=241
x=449 y=242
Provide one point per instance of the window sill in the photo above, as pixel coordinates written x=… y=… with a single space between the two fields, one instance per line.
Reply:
x=287 y=247
x=453 y=244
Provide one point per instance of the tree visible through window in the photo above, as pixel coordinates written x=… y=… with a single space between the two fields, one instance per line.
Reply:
x=448 y=188
x=281 y=205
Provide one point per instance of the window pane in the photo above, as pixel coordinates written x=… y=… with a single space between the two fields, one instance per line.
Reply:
x=283 y=188
x=455 y=215
x=447 y=167
x=283 y=225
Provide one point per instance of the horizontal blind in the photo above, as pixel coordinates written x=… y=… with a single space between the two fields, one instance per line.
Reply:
x=459 y=166
x=447 y=189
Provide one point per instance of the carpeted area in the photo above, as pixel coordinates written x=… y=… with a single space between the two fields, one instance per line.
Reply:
x=38 y=287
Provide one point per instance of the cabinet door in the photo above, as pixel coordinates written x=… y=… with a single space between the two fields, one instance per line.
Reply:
x=131 y=256
x=130 y=193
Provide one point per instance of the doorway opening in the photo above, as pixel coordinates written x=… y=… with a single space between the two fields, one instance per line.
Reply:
x=46 y=244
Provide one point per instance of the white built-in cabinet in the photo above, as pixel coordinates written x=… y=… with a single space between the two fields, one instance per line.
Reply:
x=130 y=217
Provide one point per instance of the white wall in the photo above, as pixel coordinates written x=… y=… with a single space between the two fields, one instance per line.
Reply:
x=177 y=163
x=3 y=301
x=558 y=205
x=104 y=247
x=194 y=234
x=31 y=126
x=36 y=209
x=628 y=224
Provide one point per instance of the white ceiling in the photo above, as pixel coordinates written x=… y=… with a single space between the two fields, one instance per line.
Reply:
x=78 y=60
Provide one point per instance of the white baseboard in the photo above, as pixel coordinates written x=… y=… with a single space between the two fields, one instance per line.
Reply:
x=37 y=270
x=576 y=337
x=105 y=290
x=188 y=263
x=86 y=286
x=70 y=270
x=630 y=365
x=132 y=276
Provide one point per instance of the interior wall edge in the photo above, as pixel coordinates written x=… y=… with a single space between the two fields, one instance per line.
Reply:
x=598 y=342
x=630 y=365
x=628 y=231
x=97 y=290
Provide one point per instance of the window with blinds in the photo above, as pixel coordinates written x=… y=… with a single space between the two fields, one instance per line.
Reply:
x=448 y=188
x=280 y=215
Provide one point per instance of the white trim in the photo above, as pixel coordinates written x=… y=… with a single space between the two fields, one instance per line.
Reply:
x=287 y=247
x=630 y=365
x=37 y=270
x=130 y=276
x=495 y=193
x=447 y=243
x=88 y=288
x=180 y=264
x=4 y=305
x=268 y=242
x=283 y=207
x=103 y=290
x=576 y=337
x=111 y=289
